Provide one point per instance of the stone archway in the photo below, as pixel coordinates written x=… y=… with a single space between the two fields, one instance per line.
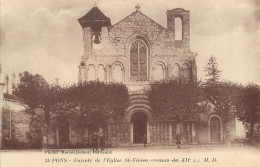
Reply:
x=139 y=124
x=138 y=108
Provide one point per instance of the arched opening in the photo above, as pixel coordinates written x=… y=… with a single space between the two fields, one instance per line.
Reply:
x=118 y=73
x=91 y=73
x=101 y=73
x=64 y=133
x=138 y=61
x=139 y=123
x=96 y=39
x=176 y=71
x=215 y=129
x=159 y=72
x=178 y=28
x=186 y=72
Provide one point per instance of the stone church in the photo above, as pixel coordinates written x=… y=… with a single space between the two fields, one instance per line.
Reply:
x=137 y=51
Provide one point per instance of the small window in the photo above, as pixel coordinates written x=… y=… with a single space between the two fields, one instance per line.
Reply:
x=178 y=28
x=118 y=73
x=91 y=73
x=159 y=72
x=101 y=73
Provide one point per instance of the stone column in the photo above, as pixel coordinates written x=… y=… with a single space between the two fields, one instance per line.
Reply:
x=96 y=73
x=162 y=133
x=86 y=74
x=131 y=132
x=110 y=74
x=148 y=132
x=170 y=133
x=70 y=132
x=123 y=75
x=169 y=74
x=105 y=71
x=109 y=131
x=166 y=133
x=193 y=133
x=153 y=69
x=57 y=136
x=158 y=132
x=188 y=132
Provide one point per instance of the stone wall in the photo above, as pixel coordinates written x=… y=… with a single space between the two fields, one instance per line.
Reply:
x=162 y=47
x=20 y=125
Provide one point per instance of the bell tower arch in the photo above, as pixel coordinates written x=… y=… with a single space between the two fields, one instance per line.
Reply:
x=95 y=28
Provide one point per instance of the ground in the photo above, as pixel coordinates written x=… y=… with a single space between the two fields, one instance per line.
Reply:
x=206 y=156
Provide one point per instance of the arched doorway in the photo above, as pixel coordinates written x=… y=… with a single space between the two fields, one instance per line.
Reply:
x=215 y=129
x=139 y=122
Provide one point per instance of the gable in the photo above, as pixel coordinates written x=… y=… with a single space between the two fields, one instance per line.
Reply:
x=137 y=22
x=137 y=17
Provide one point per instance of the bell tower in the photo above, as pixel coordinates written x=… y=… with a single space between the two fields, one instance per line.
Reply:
x=184 y=16
x=95 y=28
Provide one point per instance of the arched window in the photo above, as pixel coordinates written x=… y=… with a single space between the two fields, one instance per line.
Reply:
x=101 y=73
x=118 y=73
x=138 y=61
x=178 y=28
x=186 y=72
x=176 y=71
x=91 y=73
x=159 y=72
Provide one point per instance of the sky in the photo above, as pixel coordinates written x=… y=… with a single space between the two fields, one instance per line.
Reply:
x=44 y=36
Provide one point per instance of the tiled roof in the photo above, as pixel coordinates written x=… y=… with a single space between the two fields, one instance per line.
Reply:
x=94 y=18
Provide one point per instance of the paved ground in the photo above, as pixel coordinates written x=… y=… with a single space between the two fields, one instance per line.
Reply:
x=205 y=156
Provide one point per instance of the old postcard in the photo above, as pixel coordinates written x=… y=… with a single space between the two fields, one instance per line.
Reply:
x=91 y=83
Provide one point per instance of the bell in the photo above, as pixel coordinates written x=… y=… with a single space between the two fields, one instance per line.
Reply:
x=97 y=38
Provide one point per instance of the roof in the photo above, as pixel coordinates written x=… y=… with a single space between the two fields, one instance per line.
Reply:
x=94 y=18
x=11 y=97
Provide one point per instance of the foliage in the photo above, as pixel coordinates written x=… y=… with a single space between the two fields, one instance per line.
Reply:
x=32 y=91
x=98 y=102
x=177 y=101
x=248 y=105
x=90 y=103
x=212 y=71
x=223 y=95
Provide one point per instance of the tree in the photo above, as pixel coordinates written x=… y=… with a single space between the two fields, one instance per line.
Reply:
x=98 y=102
x=91 y=104
x=212 y=71
x=248 y=105
x=223 y=95
x=41 y=100
x=31 y=91
x=177 y=101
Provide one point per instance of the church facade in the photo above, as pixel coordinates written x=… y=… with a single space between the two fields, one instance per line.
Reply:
x=137 y=51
